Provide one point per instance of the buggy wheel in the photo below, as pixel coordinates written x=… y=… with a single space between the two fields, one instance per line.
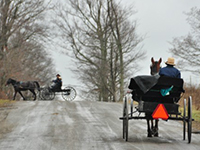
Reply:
x=184 y=118
x=47 y=94
x=189 y=119
x=40 y=94
x=125 y=119
x=131 y=108
x=69 y=93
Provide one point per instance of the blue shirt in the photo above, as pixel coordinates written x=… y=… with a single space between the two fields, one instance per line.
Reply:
x=170 y=71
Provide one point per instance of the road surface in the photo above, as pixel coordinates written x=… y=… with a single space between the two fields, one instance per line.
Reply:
x=82 y=125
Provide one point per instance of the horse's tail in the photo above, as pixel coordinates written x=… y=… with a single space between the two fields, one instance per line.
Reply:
x=38 y=86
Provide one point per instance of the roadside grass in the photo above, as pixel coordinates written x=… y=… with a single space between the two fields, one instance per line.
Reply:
x=194 y=92
x=195 y=116
x=6 y=103
x=195 y=113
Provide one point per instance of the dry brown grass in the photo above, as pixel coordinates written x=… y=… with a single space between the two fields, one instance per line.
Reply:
x=194 y=92
x=6 y=103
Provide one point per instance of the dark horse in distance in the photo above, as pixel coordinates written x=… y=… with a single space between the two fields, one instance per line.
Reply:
x=153 y=130
x=24 y=86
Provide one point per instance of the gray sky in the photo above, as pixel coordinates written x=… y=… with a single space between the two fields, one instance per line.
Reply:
x=160 y=21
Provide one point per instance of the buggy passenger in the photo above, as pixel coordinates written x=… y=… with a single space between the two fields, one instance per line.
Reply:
x=57 y=83
x=170 y=70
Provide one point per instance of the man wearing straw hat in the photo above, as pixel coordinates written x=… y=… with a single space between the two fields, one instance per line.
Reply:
x=170 y=70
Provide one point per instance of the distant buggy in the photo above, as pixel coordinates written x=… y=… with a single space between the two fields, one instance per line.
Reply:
x=68 y=93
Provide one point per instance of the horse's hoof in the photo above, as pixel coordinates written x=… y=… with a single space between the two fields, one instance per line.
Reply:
x=149 y=135
x=155 y=132
x=156 y=135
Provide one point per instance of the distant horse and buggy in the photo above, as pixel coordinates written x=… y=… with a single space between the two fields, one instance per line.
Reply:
x=157 y=98
x=44 y=93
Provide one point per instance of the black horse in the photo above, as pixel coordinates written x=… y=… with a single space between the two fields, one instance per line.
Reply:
x=24 y=86
x=153 y=130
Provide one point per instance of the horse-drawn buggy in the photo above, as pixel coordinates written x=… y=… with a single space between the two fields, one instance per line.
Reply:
x=68 y=93
x=157 y=98
x=45 y=93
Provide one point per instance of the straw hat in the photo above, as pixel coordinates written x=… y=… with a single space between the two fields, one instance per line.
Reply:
x=170 y=61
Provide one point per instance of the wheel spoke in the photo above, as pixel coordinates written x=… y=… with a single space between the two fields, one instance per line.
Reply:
x=69 y=93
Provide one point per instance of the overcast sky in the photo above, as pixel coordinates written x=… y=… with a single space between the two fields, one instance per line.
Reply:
x=160 y=21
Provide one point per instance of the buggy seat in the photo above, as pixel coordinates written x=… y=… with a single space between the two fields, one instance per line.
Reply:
x=148 y=89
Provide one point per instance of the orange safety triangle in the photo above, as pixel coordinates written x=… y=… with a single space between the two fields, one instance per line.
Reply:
x=160 y=112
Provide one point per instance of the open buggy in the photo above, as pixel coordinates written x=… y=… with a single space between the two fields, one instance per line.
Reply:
x=68 y=93
x=157 y=98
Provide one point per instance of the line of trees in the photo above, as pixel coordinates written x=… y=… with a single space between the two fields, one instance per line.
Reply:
x=187 y=48
x=22 y=36
x=98 y=34
x=104 y=44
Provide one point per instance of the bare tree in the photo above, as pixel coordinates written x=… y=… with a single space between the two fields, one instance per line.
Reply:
x=187 y=48
x=22 y=33
x=126 y=40
x=101 y=37
x=27 y=63
x=18 y=15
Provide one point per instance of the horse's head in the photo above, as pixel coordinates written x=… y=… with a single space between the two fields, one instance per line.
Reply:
x=155 y=66
x=10 y=81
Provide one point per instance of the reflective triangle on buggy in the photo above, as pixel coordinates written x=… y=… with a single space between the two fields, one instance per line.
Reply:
x=160 y=112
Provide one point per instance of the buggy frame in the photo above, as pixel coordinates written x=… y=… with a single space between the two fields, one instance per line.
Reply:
x=68 y=93
x=148 y=101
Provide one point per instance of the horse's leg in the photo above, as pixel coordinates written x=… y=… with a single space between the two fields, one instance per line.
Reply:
x=21 y=95
x=152 y=126
x=149 y=134
x=14 y=95
x=156 y=128
x=32 y=91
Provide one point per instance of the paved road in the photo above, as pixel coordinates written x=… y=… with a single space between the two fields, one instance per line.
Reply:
x=82 y=125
